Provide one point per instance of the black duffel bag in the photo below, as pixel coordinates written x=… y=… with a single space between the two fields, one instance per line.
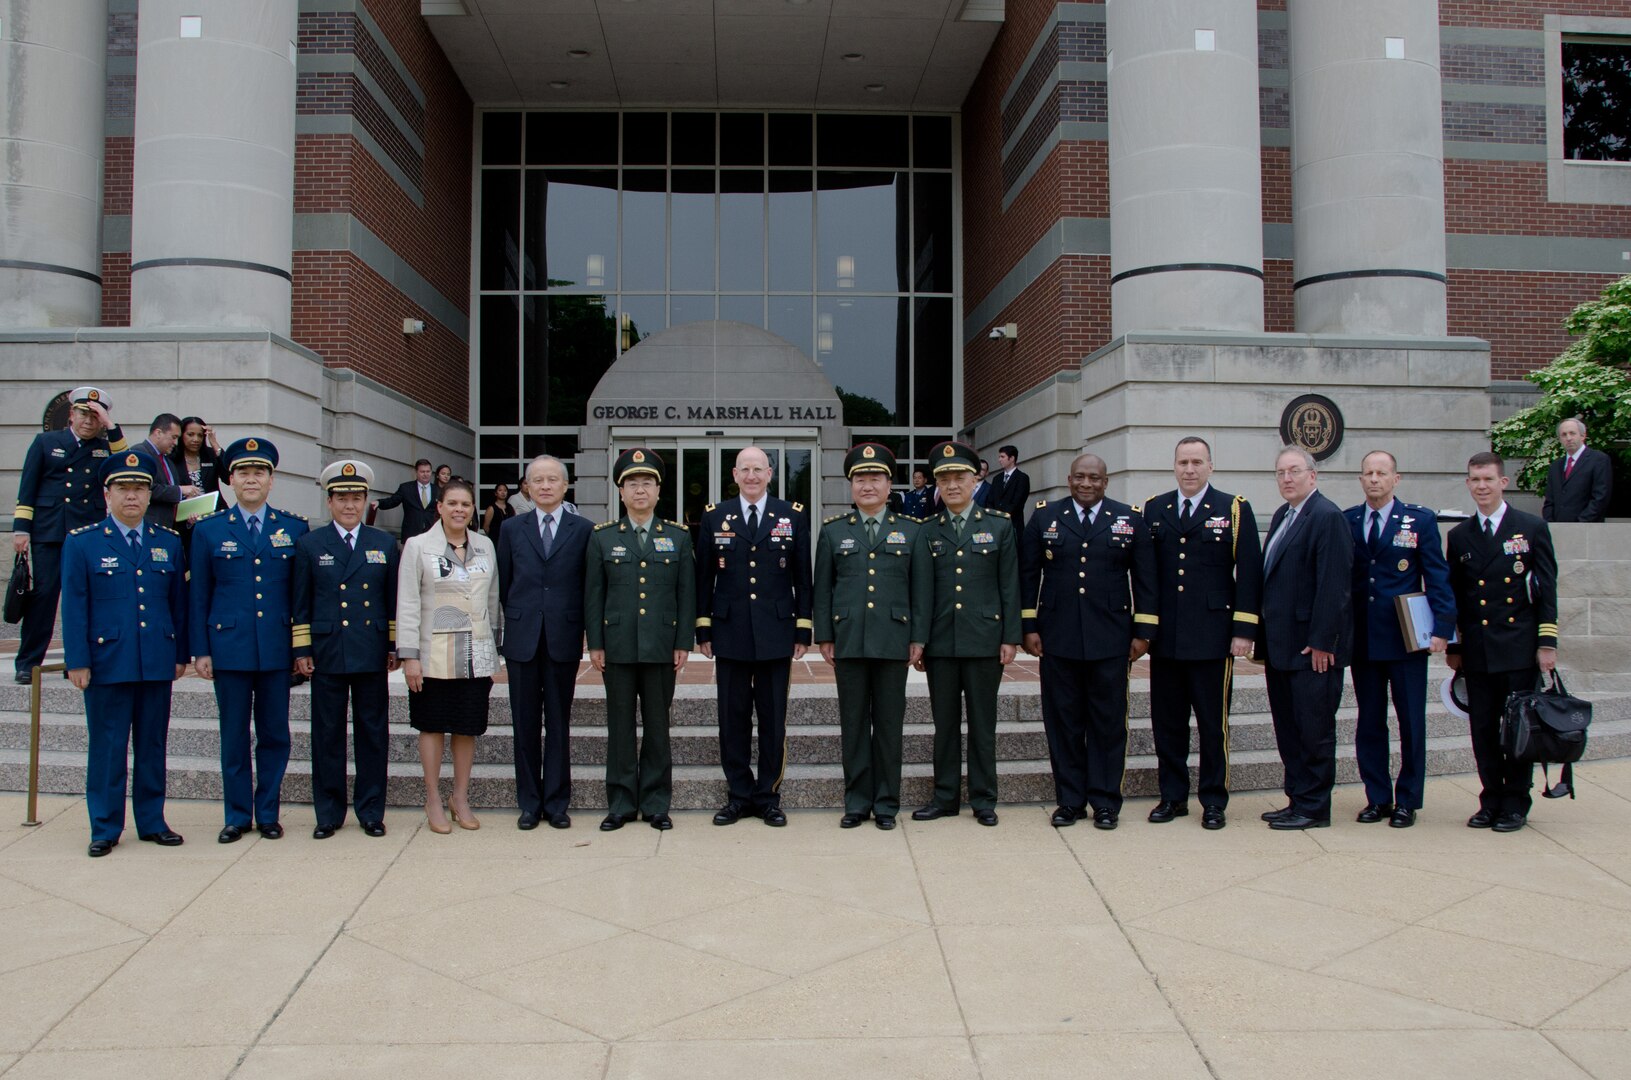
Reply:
x=20 y=591
x=1547 y=726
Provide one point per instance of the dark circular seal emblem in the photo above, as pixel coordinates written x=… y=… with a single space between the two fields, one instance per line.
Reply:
x=55 y=417
x=1314 y=423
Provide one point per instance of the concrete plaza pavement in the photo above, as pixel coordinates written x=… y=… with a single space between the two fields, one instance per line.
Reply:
x=940 y=950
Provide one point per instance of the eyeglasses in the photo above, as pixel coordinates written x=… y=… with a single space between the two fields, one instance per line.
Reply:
x=1288 y=474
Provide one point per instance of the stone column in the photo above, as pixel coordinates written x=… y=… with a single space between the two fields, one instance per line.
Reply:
x=1367 y=183
x=1186 y=204
x=53 y=84
x=213 y=216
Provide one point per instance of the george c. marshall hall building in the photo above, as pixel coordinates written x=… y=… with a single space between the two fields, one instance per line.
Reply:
x=478 y=230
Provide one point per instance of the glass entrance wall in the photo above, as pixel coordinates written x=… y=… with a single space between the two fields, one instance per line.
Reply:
x=837 y=232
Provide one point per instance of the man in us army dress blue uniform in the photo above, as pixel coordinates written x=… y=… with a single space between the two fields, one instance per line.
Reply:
x=124 y=629
x=242 y=633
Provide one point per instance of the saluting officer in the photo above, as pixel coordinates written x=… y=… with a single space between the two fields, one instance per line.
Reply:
x=345 y=641
x=1209 y=569
x=974 y=631
x=640 y=607
x=753 y=619
x=124 y=631
x=1089 y=595
x=57 y=493
x=242 y=633
x=872 y=602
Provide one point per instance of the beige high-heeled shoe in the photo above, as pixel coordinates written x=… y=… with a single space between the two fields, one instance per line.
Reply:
x=472 y=822
x=441 y=830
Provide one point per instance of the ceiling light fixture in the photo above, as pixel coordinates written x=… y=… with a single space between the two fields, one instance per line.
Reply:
x=874 y=87
x=577 y=54
x=558 y=84
x=852 y=57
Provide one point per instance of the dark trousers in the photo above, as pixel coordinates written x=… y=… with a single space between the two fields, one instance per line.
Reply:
x=1304 y=703
x=871 y=715
x=747 y=687
x=642 y=781
x=1084 y=710
x=541 y=714
x=1407 y=679
x=239 y=696
x=45 y=567
x=956 y=683
x=1506 y=782
x=1178 y=687
x=370 y=711
x=121 y=717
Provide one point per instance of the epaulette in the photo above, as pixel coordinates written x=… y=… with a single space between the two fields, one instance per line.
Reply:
x=1240 y=498
x=605 y=524
x=212 y=513
x=798 y=508
x=709 y=508
x=997 y=513
x=1041 y=504
x=835 y=517
x=1138 y=508
x=85 y=528
x=297 y=517
x=676 y=524
x=166 y=528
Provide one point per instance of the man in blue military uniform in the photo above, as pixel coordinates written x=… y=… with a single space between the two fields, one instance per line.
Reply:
x=753 y=620
x=345 y=641
x=124 y=629
x=1088 y=597
x=1397 y=550
x=59 y=492
x=242 y=633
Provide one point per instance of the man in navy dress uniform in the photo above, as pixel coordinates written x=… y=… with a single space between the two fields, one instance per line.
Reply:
x=242 y=633
x=124 y=629
x=753 y=620
x=345 y=641
x=1088 y=606
x=1397 y=550
x=59 y=492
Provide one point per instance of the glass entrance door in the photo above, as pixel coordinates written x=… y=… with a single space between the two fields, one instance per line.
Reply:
x=699 y=471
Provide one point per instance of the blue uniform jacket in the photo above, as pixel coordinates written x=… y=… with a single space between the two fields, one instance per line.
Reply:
x=345 y=600
x=1409 y=558
x=753 y=592
x=124 y=617
x=242 y=595
x=1088 y=589
x=59 y=491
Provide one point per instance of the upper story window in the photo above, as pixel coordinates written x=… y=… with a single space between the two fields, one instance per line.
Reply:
x=1597 y=99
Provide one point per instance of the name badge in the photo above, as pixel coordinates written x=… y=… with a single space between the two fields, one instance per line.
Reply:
x=159 y=554
x=662 y=543
x=325 y=559
x=1051 y=532
x=724 y=539
x=376 y=557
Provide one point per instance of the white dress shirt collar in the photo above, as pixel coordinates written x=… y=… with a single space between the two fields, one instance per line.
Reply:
x=1494 y=519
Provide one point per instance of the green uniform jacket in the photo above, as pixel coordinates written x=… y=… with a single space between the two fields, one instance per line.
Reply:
x=640 y=606
x=871 y=602
x=976 y=584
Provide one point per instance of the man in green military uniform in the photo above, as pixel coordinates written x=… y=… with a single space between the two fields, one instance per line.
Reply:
x=640 y=611
x=872 y=601
x=974 y=631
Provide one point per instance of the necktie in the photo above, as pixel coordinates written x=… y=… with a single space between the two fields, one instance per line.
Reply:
x=871 y=530
x=1489 y=529
x=1568 y=467
x=549 y=533
x=1375 y=537
x=957 y=525
x=1183 y=518
x=134 y=537
x=424 y=495
x=640 y=535
x=1274 y=544
x=351 y=541
x=254 y=526
x=753 y=522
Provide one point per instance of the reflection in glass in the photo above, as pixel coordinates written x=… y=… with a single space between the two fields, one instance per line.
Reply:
x=931 y=232
x=743 y=309
x=857 y=219
x=791 y=205
x=934 y=369
x=500 y=229
x=644 y=203
x=568 y=348
x=571 y=219
x=691 y=226
x=500 y=353
x=641 y=317
x=869 y=358
x=798 y=476
x=741 y=230
x=791 y=320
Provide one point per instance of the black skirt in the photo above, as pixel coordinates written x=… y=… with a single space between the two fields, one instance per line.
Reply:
x=451 y=706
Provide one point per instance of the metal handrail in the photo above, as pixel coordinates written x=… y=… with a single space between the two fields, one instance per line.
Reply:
x=34 y=739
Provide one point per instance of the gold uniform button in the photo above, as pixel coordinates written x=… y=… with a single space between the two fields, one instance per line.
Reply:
x=1480 y=584
x=365 y=584
x=1180 y=588
x=258 y=577
x=100 y=641
x=959 y=607
x=869 y=604
x=1082 y=592
x=872 y=554
x=1511 y=620
x=642 y=564
x=1180 y=572
x=1483 y=622
x=144 y=626
x=1183 y=540
x=642 y=611
x=874 y=588
x=753 y=596
x=1509 y=599
x=140 y=589
x=345 y=622
x=642 y=596
x=1507 y=580
x=753 y=581
x=138 y=573
x=261 y=614
x=1180 y=555
x=752 y=565
x=1481 y=603
x=342 y=602
x=959 y=553
x=257 y=562
x=366 y=604
x=871 y=571
x=141 y=607
x=959 y=588
x=258 y=596
x=642 y=581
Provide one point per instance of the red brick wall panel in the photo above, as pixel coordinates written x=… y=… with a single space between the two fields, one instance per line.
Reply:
x=1522 y=14
x=116 y=288
x=1519 y=312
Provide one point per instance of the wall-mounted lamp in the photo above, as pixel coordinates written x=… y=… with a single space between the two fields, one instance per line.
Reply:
x=597 y=271
x=1005 y=332
x=413 y=326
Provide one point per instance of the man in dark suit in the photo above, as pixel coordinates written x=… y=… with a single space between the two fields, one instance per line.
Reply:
x=162 y=436
x=753 y=620
x=1503 y=570
x=1088 y=607
x=982 y=486
x=345 y=642
x=540 y=582
x=418 y=498
x=1209 y=566
x=1010 y=488
x=1306 y=636
x=1397 y=550
x=1579 y=483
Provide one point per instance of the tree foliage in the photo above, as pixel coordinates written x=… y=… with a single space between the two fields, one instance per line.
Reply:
x=1591 y=380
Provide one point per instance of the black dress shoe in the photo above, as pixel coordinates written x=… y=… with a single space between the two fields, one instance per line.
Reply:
x=526 y=822
x=660 y=822
x=231 y=834
x=1270 y=815
x=773 y=816
x=851 y=821
x=884 y=821
x=323 y=832
x=1481 y=820
x=1403 y=817
x=1374 y=812
x=1105 y=818
x=99 y=848
x=163 y=838
x=986 y=817
x=729 y=814
x=612 y=822
x=1212 y=817
x=1165 y=811
x=373 y=828
x=563 y=820
x=932 y=813
x=23 y=678
x=1510 y=821
x=1063 y=817
x=1299 y=821
x=274 y=831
